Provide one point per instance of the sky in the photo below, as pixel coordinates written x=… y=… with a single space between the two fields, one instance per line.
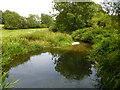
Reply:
x=26 y=7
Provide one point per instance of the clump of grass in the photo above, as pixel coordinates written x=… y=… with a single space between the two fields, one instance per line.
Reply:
x=7 y=84
x=15 y=46
x=54 y=39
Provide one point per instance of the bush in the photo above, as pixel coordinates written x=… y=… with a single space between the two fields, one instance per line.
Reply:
x=86 y=34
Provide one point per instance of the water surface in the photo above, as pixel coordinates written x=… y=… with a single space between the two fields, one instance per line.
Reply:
x=54 y=68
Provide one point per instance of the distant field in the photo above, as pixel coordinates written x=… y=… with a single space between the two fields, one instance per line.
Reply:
x=7 y=33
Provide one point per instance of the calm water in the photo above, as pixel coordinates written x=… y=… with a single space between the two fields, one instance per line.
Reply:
x=54 y=68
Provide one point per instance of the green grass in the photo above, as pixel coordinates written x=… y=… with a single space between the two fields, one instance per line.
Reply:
x=22 y=41
x=13 y=33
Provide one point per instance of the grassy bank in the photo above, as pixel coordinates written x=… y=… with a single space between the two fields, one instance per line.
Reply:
x=17 y=42
x=105 y=53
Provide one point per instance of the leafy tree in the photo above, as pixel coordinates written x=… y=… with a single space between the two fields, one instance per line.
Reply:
x=33 y=21
x=74 y=15
x=101 y=20
x=46 y=19
x=12 y=20
x=24 y=22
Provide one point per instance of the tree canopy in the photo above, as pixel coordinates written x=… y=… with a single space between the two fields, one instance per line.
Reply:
x=46 y=19
x=75 y=15
x=13 y=20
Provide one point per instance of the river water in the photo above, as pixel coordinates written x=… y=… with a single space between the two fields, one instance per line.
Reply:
x=54 y=68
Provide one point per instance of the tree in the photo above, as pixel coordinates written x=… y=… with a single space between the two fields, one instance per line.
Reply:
x=33 y=21
x=46 y=19
x=12 y=20
x=74 y=15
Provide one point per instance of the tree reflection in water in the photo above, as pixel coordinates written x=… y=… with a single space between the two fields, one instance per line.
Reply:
x=72 y=65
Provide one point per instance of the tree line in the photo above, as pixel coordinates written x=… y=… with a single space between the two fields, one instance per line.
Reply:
x=13 y=20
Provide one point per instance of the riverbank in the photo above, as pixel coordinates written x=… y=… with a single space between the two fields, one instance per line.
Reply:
x=16 y=42
x=105 y=53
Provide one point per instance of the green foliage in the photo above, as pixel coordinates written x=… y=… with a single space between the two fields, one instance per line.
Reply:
x=105 y=52
x=33 y=21
x=7 y=84
x=75 y=15
x=46 y=20
x=101 y=20
x=12 y=20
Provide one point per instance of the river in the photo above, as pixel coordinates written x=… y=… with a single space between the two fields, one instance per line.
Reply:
x=54 y=68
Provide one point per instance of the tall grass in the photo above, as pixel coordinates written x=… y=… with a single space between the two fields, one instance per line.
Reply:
x=53 y=39
x=23 y=43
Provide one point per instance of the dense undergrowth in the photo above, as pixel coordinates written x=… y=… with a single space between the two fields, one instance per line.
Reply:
x=105 y=53
x=36 y=40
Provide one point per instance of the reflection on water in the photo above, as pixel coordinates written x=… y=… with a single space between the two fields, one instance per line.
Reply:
x=53 y=68
x=73 y=65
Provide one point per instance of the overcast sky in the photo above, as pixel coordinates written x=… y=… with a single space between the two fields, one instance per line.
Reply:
x=26 y=7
